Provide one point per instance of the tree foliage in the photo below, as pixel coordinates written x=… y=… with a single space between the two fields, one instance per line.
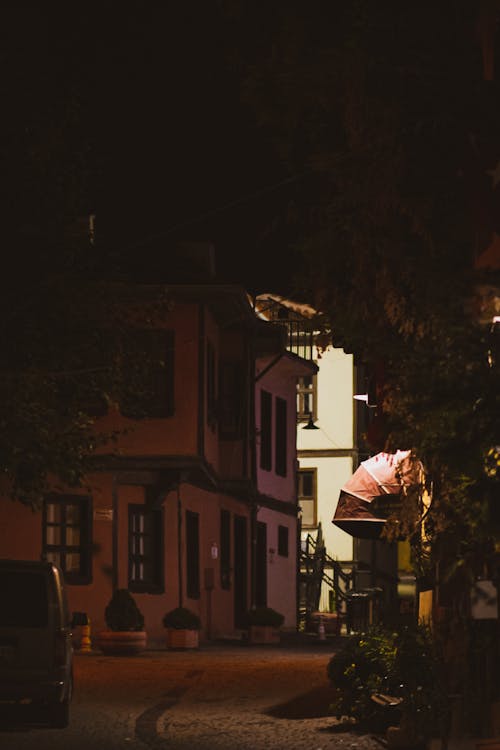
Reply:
x=62 y=322
x=385 y=110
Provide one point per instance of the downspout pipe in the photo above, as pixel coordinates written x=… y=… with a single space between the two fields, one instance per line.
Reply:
x=251 y=433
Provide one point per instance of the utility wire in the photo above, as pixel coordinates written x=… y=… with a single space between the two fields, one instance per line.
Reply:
x=214 y=211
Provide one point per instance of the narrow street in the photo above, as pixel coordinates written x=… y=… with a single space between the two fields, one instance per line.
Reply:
x=223 y=696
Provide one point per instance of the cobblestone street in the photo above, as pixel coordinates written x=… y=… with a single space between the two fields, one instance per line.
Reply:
x=222 y=696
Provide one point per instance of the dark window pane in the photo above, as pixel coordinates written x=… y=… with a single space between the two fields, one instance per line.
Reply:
x=266 y=406
x=281 y=441
x=307 y=481
x=240 y=557
x=232 y=403
x=225 y=549
x=283 y=541
x=261 y=565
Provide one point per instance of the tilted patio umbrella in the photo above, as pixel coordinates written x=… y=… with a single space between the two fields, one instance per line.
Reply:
x=384 y=474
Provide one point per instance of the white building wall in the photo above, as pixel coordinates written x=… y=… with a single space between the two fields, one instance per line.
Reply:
x=331 y=475
x=335 y=433
x=335 y=410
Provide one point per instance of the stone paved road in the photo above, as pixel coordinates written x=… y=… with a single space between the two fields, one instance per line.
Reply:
x=221 y=697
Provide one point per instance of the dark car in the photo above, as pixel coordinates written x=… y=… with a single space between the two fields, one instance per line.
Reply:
x=36 y=651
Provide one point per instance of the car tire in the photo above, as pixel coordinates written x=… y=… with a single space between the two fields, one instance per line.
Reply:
x=59 y=710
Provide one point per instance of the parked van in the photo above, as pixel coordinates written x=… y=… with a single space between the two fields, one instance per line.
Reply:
x=36 y=651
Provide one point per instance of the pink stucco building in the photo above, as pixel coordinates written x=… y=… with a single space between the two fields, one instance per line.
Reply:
x=195 y=503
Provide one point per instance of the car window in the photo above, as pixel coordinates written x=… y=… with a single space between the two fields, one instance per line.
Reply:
x=24 y=599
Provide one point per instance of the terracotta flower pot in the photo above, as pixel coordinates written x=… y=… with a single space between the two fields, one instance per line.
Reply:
x=121 y=642
x=180 y=638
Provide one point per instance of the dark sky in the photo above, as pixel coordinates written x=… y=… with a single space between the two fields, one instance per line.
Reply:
x=156 y=123
x=182 y=155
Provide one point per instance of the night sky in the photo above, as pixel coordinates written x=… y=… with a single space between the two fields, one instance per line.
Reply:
x=146 y=103
x=183 y=155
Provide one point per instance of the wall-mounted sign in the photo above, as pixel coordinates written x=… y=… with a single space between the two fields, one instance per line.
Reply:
x=103 y=514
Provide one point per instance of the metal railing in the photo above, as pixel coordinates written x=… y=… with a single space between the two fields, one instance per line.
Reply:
x=316 y=568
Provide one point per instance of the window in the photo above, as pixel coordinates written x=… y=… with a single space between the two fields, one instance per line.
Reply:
x=266 y=410
x=67 y=531
x=306 y=493
x=280 y=437
x=211 y=389
x=225 y=549
x=148 y=374
x=266 y=433
x=231 y=401
x=145 y=549
x=283 y=541
x=306 y=398
x=192 y=555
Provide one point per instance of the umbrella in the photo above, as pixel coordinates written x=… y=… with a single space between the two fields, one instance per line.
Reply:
x=381 y=475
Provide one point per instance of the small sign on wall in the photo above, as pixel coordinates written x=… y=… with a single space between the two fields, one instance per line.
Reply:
x=103 y=514
x=484 y=601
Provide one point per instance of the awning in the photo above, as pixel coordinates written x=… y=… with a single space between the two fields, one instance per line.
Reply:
x=361 y=510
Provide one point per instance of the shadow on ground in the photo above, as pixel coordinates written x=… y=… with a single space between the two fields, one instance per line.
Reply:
x=311 y=705
x=316 y=704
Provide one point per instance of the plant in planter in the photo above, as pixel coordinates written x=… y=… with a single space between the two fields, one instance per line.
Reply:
x=263 y=624
x=390 y=682
x=182 y=626
x=361 y=668
x=125 y=634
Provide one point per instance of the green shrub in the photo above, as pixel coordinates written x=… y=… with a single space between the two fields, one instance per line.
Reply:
x=362 y=666
x=122 y=613
x=181 y=618
x=404 y=665
x=264 y=616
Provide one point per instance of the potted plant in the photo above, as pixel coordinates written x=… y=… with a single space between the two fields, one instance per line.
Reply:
x=125 y=634
x=263 y=624
x=388 y=681
x=182 y=626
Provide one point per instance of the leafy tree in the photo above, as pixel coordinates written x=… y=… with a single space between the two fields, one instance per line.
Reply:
x=391 y=113
x=69 y=354
x=386 y=111
x=62 y=321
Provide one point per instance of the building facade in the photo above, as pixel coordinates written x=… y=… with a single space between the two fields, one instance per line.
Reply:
x=179 y=508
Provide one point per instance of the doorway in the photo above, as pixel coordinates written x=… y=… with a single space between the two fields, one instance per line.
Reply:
x=261 y=566
x=240 y=571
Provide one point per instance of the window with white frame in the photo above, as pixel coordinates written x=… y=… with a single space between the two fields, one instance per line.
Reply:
x=66 y=530
x=306 y=398
x=307 y=497
x=145 y=549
